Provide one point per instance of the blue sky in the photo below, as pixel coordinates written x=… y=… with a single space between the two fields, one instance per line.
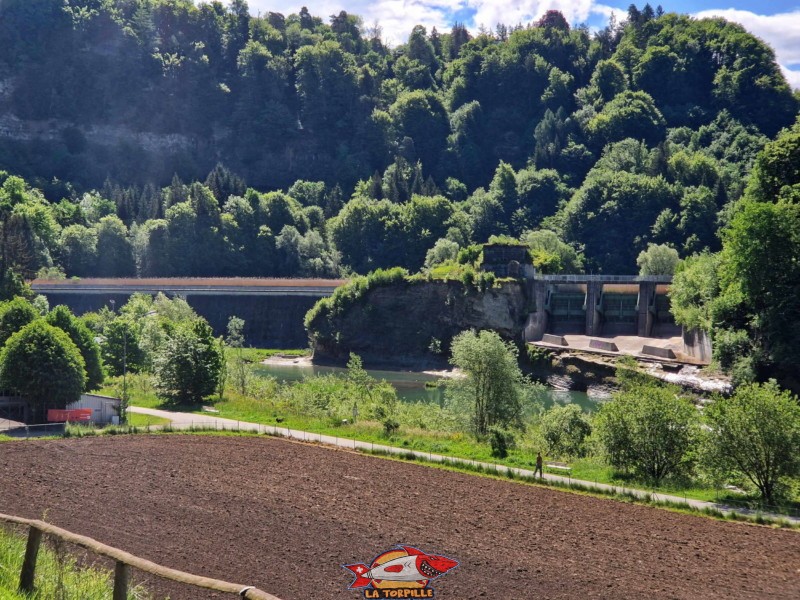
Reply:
x=777 y=22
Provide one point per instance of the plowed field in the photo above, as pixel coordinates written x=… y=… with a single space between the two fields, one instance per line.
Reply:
x=285 y=516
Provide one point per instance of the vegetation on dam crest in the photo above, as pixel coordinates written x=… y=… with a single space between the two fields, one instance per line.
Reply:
x=390 y=317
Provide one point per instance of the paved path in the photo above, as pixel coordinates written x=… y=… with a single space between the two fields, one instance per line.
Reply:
x=190 y=420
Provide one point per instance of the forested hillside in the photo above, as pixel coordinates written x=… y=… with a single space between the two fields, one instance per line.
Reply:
x=342 y=154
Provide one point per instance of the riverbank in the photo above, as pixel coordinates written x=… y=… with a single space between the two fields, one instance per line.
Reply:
x=594 y=373
x=571 y=371
x=561 y=369
x=287 y=360
x=692 y=377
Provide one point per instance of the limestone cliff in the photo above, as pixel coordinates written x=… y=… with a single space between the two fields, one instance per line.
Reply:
x=413 y=322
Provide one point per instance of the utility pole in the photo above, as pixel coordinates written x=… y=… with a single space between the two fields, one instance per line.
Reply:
x=123 y=408
x=124 y=404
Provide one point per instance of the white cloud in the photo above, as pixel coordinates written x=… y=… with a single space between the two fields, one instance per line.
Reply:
x=781 y=31
x=793 y=77
x=619 y=13
x=398 y=17
x=511 y=12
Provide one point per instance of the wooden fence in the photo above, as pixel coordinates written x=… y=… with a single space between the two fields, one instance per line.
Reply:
x=124 y=562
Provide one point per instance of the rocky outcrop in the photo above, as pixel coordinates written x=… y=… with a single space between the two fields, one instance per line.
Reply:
x=595 y=374
x=411 y=323
x=575 y=372
x=53 y=130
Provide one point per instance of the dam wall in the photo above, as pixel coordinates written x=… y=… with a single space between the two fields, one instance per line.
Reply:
x=273 y=310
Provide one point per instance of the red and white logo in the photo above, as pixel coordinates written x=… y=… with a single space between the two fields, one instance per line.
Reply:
x=403 y=572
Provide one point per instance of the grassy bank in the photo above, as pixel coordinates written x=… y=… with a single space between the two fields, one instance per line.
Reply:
x=58 y=574
x=256 y=355
x=138 y=420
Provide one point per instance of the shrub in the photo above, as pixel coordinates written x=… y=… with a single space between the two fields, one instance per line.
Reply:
x=743 y=370
x=730 y=345
x=755 y=434
x=347 y=295
x=468 y=277
x=538 y=355
x=565 y=429
x=501 y=442
x=487 y=280
x=390 y=427
x=470 y=255
x=188 y=366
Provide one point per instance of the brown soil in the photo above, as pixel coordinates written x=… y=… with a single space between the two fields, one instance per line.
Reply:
x=285 y=516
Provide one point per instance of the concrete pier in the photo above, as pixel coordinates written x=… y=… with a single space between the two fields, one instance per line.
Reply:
x=611 y=305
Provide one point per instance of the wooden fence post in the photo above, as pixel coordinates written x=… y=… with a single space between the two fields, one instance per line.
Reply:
x=121 y=572
x=29 y=564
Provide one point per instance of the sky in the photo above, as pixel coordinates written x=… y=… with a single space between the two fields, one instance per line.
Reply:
x=777 y=22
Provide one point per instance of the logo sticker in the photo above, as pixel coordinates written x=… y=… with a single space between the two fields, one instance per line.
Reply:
x=403 y=572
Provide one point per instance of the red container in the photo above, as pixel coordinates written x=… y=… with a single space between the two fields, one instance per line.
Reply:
x=55 y=415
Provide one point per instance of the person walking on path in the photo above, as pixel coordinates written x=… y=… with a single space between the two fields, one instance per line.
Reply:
x=538 y=466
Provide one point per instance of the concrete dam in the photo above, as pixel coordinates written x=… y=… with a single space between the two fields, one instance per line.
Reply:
x=606 y=313
x=273 y=309
x=610 y=314
x=596 y=305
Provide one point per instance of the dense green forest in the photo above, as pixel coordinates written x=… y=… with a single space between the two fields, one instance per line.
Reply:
x=343 y=155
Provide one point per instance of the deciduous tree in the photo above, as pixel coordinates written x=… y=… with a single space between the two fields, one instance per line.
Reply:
x=120 y=349
x=80 y=335
x=493 y=380
x=14 y=315
x=188 y=366
x=658 y=259
x=235 y=341
x=41 y=363
x=649 y=429
x=755 y=434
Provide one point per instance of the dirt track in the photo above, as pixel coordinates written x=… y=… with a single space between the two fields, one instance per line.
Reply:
x=286 y=516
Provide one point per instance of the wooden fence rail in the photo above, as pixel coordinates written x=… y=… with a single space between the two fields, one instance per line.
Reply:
x=123 y=560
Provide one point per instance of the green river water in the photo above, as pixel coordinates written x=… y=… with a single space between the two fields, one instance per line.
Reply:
x=410 y=385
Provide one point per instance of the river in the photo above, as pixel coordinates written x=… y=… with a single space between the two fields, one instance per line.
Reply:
x=410 y=385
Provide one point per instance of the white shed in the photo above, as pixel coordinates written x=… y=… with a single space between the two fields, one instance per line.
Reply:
x=103 y=407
